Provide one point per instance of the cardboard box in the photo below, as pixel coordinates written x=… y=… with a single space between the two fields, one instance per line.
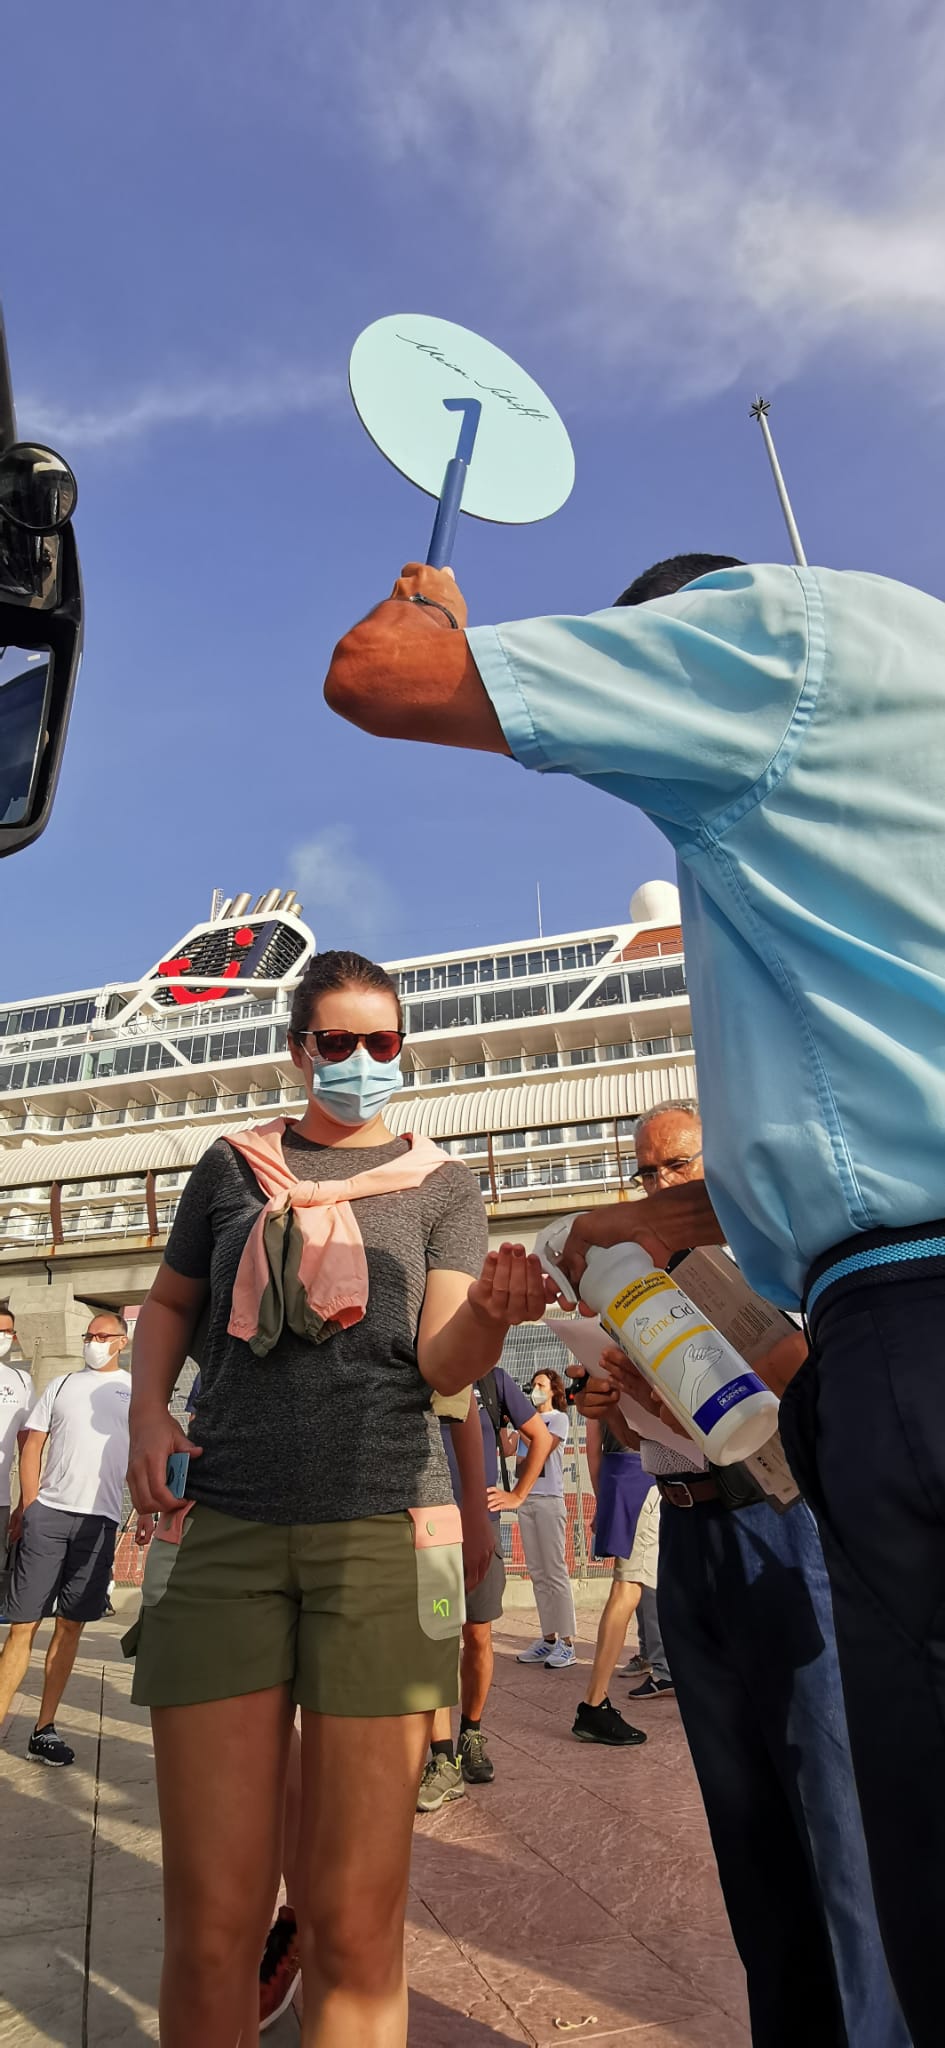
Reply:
x=752 y=1326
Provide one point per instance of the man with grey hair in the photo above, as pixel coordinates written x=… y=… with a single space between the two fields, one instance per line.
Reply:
x=744 y=1607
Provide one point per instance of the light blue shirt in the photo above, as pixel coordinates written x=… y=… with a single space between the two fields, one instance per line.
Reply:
x=785 y=728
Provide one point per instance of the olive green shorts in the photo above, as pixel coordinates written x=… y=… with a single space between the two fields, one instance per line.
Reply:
x=356 y=1618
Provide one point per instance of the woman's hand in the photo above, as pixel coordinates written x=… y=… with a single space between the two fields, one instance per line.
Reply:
x=155 y=1437
x=511 y=1288
x=498 y=1499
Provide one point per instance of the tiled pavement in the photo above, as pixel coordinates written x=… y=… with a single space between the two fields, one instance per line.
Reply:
x=575 y=1898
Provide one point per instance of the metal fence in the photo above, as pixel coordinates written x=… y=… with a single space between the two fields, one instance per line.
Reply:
x=528 y=1349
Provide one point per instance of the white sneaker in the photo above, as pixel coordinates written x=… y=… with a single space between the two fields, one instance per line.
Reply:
x=562 y=1655
x=538 y=1653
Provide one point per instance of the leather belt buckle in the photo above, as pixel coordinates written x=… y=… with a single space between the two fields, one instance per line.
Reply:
x=674 y=1487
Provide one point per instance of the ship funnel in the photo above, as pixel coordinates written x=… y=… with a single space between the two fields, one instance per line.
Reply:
x=290 y=904
x=268 y=901
x=240 y=905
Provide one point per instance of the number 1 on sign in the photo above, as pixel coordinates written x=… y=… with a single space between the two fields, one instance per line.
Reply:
x=451 y=496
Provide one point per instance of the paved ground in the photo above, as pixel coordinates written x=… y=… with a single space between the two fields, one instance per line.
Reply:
x=574 y=1898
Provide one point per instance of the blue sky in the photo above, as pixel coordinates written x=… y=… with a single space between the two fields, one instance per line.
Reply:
x=657 y=211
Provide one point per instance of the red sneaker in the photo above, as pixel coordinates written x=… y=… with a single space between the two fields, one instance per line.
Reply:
x=280 y=1971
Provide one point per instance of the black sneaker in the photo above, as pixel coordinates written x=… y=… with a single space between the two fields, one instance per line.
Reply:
x=476 y=1763
x=605 y=1724
x=653 y=1689
x=46 y=1747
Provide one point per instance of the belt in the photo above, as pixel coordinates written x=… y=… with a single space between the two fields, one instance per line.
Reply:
x=728 y=1486
x=874 y=1258
x=685 y=1493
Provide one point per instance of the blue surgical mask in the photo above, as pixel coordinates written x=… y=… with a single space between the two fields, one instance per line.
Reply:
x=356 y=1090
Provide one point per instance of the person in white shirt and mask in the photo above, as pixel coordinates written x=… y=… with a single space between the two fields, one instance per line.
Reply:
x=17 y=1396
x=71 y=1508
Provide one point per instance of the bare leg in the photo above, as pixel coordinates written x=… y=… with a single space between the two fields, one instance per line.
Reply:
x=15 y=1662
x=476 y=1669
x=221 y=1787
x=360 y=1780
x=622 y=1602
x=60 y=1658
x=442 y=1729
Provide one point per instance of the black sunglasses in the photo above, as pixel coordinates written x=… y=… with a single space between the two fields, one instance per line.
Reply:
x=333 y=1046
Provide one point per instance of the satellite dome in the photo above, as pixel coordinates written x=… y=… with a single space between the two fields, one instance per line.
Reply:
x=655 y=903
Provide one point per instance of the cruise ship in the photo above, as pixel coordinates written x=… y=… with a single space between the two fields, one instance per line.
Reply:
x=530 y=1060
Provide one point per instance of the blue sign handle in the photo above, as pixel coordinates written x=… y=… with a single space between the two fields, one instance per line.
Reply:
x=451 y=496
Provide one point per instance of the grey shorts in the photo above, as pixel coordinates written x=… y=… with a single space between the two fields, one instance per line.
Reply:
x=61 y=1558
x=484 y=1603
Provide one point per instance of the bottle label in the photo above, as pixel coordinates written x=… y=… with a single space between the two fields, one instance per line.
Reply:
x=660 y=1327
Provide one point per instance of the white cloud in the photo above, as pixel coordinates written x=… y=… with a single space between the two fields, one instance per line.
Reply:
x=346 y=900
x=212 y=401
x=696 y=192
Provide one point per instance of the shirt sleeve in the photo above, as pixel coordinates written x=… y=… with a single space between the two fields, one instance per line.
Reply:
x=558 y=1424
x=189 y=1247
x=40 y=1416
x=516 y=1407
x=679 y=705
x=459 y=1237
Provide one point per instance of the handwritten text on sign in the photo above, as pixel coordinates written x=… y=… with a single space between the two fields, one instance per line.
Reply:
x=426 y=348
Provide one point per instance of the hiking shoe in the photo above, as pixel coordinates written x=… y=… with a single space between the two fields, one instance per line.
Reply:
x=537 y=1653
x=280 y=1971
x=562 y=1655
x=653 y=1689
x=46 y=1747
x=474 y=1759
x=605 y=1724
x=441 y=1782
x=637 y=1668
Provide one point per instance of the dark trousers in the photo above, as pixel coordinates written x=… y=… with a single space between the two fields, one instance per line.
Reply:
x=865 y=1432
x=744 y=1605
x=650 y=1634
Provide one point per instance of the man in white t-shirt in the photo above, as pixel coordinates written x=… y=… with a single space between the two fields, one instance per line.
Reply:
x=17 y=1395
x=71 y=1513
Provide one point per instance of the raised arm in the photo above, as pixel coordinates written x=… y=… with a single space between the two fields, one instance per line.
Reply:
x=405 y=674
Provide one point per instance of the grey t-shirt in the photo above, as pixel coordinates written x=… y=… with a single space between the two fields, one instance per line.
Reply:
x=327 y=1432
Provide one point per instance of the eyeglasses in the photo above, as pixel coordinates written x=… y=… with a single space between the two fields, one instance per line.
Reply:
x=101 y=1336
x=333 y=1046
x=668 y=1169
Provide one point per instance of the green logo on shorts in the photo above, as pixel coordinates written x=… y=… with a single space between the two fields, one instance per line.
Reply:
x=442 y=1607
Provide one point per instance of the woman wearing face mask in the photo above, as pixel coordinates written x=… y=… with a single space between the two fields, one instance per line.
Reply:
x=543 y=1521
x=321 y=1565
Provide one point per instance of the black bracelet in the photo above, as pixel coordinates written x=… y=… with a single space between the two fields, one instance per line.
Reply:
x=431 y=603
